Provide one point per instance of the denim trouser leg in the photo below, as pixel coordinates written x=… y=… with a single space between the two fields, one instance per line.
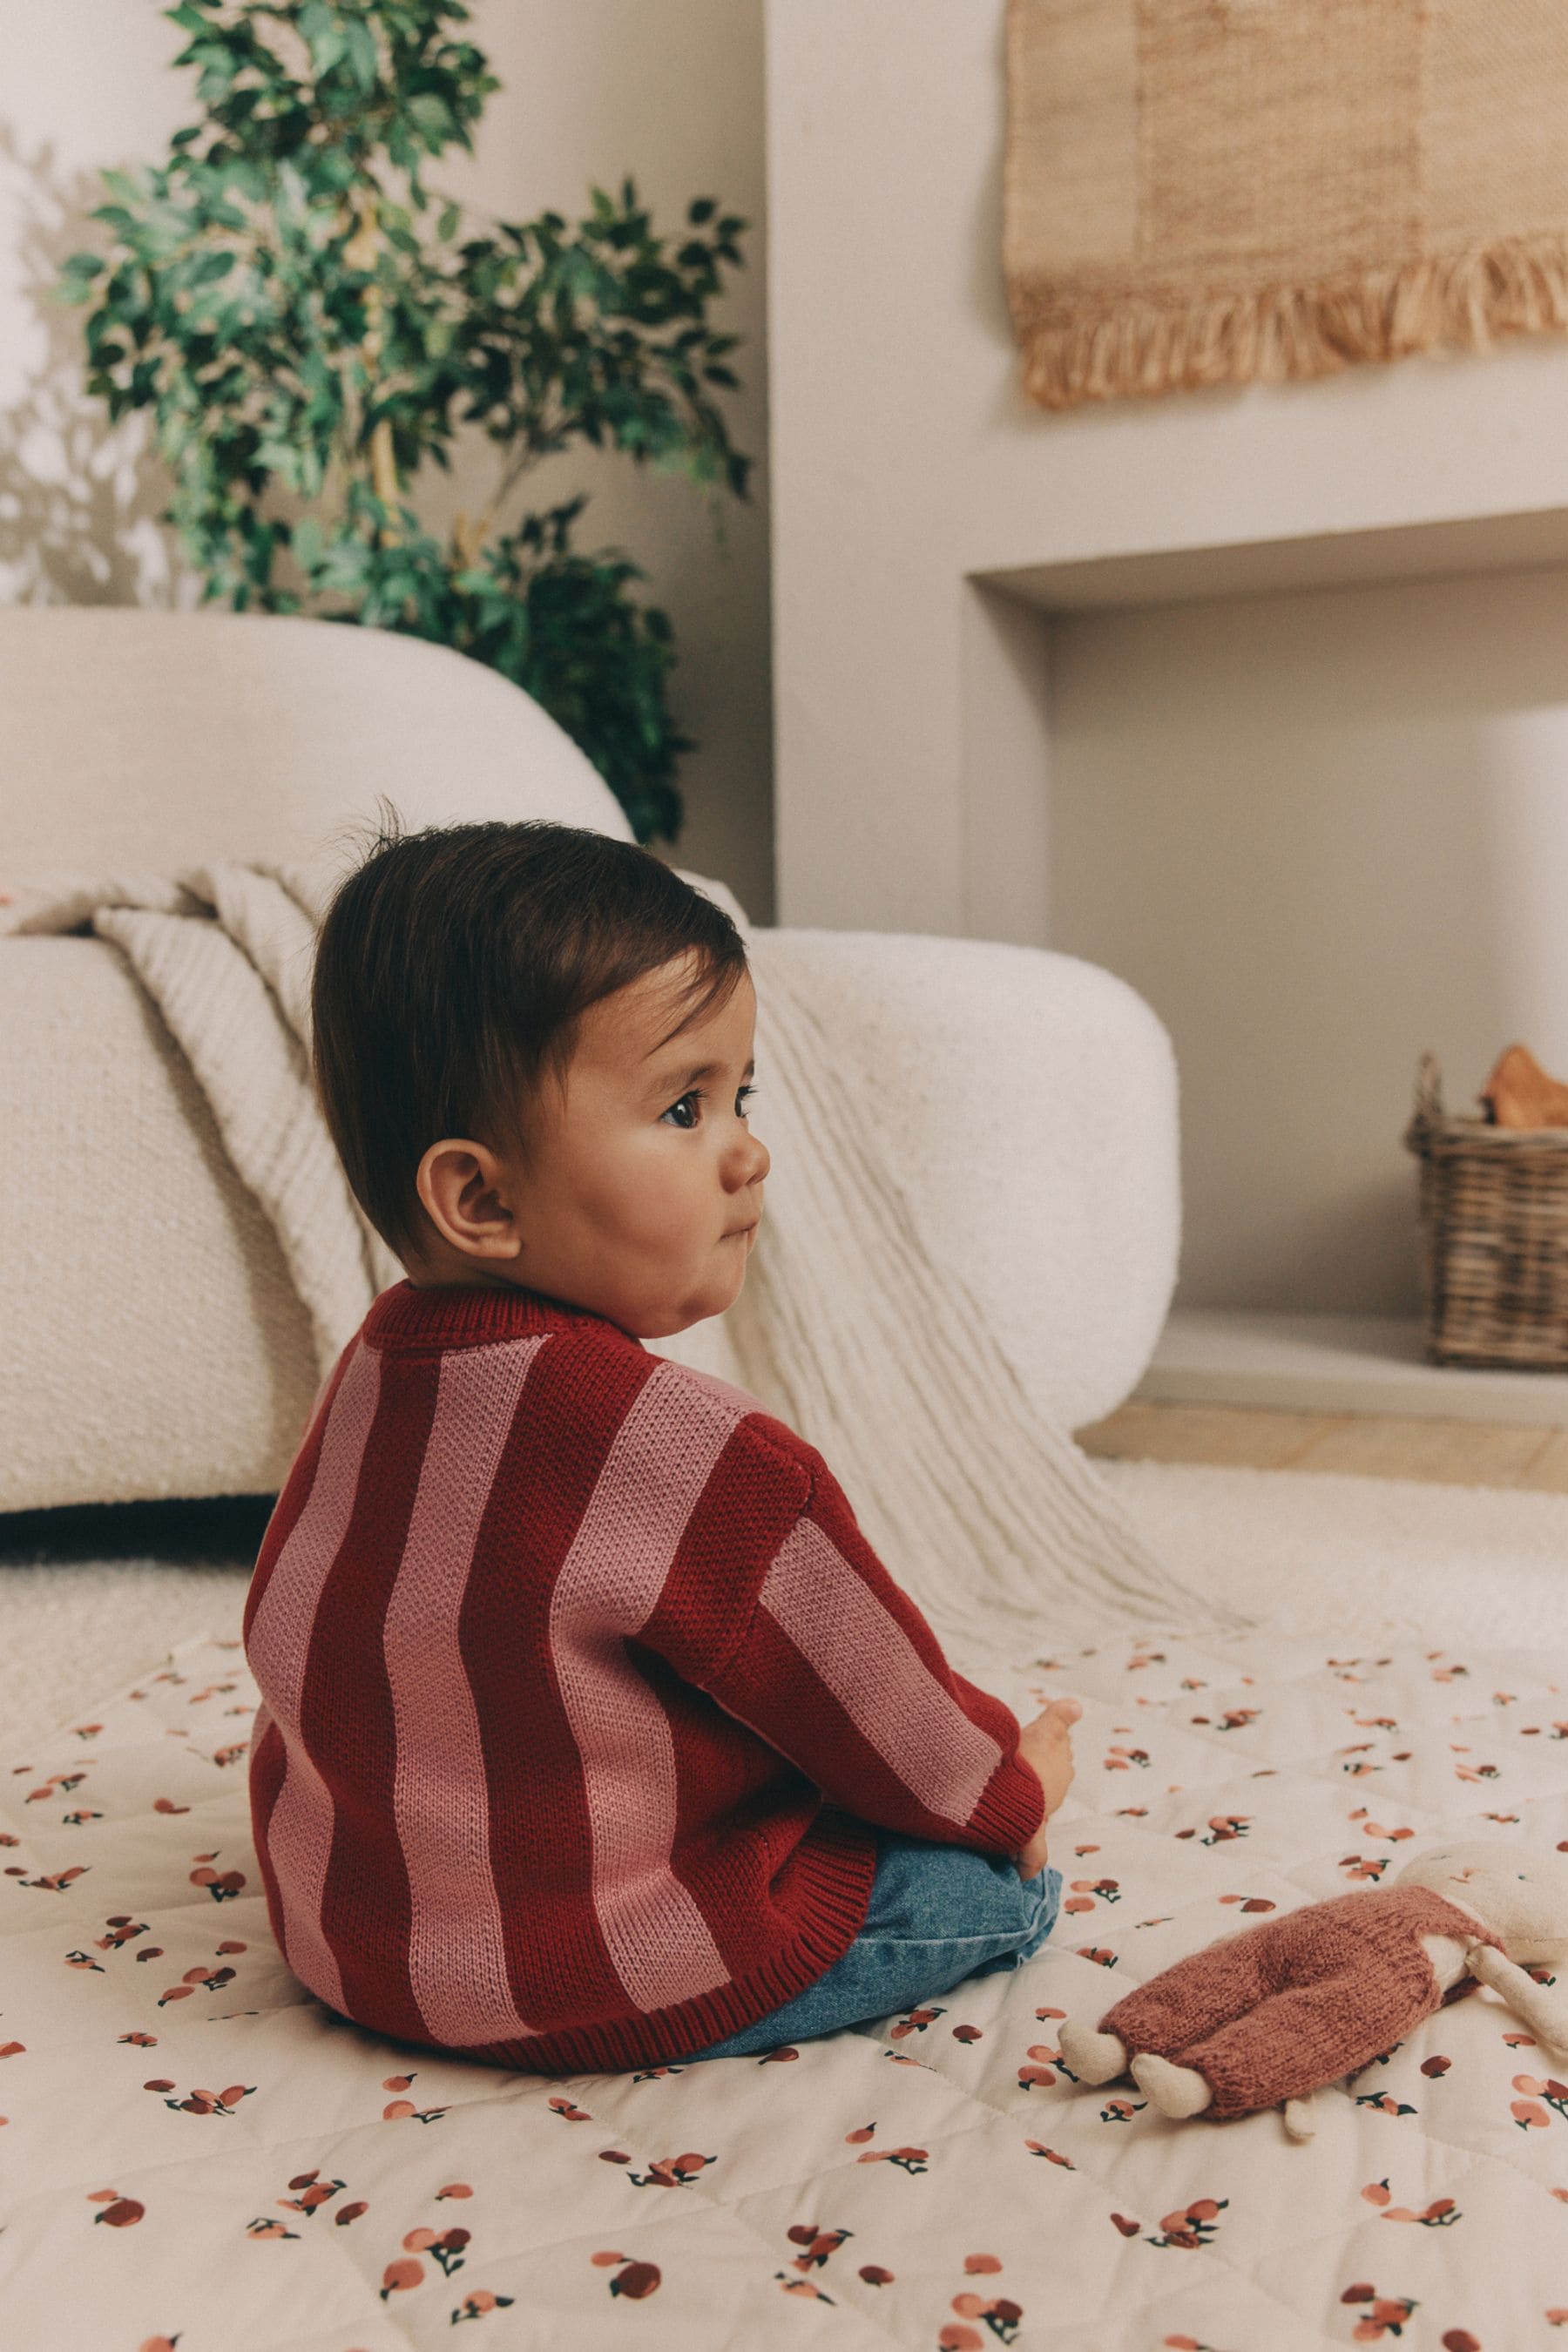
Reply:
x=938 y=1915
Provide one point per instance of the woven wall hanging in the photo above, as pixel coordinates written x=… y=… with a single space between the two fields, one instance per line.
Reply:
x=1203 y=191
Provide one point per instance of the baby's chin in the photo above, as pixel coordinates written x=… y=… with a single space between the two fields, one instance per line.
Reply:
x=702 y=1305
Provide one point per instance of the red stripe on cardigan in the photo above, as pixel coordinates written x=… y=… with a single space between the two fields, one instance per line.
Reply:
x=348 y=1717
x=586 y=1689
x=541 y=1841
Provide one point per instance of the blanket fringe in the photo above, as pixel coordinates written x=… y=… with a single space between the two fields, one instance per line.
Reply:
x=1117 y=348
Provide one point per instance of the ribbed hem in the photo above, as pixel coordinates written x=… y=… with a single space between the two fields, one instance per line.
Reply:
x=836 y=1865
x=1012 y=1805
x=457 y=1315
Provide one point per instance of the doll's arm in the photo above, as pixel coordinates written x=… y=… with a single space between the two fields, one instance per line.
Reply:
x=1541 y=2007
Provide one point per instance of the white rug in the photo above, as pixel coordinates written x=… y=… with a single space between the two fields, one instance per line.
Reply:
x=1455 y=1564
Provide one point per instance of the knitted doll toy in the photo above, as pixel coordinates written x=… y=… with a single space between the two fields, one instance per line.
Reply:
x=1271 y=2014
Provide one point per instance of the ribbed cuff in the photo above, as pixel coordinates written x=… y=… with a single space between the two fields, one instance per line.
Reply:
x=1012 y=1805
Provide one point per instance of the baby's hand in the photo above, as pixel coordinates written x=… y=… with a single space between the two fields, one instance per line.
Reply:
x=1045 y=1743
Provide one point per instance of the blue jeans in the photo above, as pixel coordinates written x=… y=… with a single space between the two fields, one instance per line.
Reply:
x=938 y=1914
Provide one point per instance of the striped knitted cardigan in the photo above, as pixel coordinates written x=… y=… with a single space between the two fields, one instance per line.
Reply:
x=580 y=1689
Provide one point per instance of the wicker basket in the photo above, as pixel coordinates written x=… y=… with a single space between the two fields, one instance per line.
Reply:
x=1494 y=1235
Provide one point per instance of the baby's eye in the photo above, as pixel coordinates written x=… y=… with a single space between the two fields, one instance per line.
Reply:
x=698 y=1095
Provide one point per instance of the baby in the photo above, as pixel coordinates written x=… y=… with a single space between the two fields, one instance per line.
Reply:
x=593 y=1735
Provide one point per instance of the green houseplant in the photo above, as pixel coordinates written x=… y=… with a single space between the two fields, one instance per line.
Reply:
x=308 y=338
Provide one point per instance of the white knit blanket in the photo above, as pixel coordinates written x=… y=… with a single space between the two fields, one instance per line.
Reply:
x=846 y=1328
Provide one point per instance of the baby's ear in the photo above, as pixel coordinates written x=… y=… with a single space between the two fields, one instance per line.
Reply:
x=464 y=1189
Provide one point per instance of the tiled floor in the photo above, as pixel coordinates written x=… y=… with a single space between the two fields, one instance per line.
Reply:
x=1454 y=1453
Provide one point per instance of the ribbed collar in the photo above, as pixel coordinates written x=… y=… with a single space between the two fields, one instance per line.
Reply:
x=454 y=1314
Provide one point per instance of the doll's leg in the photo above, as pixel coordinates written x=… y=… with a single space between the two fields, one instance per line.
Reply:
x=1289 y=2044
x=1184 y=2003
x=1195 y=1996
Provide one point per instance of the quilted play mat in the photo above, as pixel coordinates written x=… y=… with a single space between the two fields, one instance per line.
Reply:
x=195 y=2154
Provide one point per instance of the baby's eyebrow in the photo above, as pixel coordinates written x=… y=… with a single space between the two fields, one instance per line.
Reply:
x=699 y=1070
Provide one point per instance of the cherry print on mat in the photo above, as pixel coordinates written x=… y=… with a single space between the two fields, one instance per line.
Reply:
x=479 y=2303
x=310 y=2192
x=1530 y=2110
x=222 y=1886
x=1086 y=1892
x=1195 y=2225
x=402 y=2110
x=819 y=2245
x=1041 y=2067
x=203 y=2102
x=119 y=2212
x=123 y=1929
x=636 y=2281
x=1438 y=2215
x=1386 y=2314
x=917 y=2020
x=209 y=1979
x=664 y=2171
x=999 y=2313
x=804 y=2288
x=903 y=2159
x=445 y=2248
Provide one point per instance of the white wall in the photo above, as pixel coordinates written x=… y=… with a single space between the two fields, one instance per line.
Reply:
x=1317 y=832
x=592 y=89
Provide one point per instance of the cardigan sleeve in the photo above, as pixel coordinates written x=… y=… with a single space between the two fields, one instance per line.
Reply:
x=837 y=1668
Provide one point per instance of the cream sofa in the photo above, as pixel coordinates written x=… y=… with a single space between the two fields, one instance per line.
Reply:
x=154 y=1346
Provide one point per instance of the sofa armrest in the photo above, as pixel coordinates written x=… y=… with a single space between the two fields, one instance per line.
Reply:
x=1028 y=1103
x=154 y=1344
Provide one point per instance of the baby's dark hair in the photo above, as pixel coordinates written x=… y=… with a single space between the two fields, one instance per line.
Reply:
x=452 y=971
